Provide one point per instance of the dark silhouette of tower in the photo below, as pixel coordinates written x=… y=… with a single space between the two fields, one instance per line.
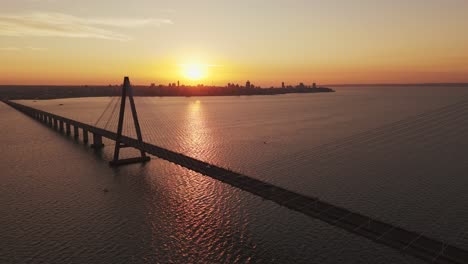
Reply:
x=282 y=85
x=247 y=84
x=314 y=85
x=127 y=92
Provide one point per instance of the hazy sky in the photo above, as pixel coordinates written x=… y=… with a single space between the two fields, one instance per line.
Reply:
x=265 y=41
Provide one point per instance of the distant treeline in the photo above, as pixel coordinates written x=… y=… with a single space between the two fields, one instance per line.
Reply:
x=53 y=92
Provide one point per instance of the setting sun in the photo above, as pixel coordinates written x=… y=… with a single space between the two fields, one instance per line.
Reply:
x=194 y=71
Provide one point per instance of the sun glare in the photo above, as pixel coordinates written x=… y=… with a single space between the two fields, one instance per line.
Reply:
x=194 y=71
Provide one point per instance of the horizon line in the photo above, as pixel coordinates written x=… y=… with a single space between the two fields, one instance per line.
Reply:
x=263 y=87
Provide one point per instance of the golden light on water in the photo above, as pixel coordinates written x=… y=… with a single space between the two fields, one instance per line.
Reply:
x=198 y=138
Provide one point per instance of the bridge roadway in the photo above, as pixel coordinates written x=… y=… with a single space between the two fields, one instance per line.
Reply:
x=405 y=241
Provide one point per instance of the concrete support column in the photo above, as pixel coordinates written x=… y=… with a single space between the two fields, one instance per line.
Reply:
x=55 y=123
x=76 y=134
x=68 y=128
x=85 y=136
x=97 y=142
x=61 y=125
x=50 y=121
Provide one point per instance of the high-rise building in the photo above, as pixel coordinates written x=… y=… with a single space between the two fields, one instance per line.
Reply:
x=247 y=84
x=314 y=85
x=282 y=85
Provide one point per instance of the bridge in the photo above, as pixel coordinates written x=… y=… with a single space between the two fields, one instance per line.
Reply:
x=406 y=241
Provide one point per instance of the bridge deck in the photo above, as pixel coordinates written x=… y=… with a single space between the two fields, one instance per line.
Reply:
x=406 y=241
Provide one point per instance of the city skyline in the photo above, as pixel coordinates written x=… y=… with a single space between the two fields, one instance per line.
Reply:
x=212 y=42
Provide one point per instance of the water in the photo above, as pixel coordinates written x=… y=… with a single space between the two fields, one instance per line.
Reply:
x=54 y=209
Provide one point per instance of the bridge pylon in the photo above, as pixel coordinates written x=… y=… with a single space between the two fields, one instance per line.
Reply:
x=127 y=92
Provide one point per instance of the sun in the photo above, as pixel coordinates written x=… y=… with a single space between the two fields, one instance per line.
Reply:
x=194 y=72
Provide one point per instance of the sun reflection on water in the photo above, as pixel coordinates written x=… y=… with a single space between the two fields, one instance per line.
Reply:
x=204 y=213
x=197 y=135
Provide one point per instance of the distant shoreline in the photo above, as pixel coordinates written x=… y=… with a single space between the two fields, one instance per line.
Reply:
x=31 y=92
x=56 y=92
x=400 y=85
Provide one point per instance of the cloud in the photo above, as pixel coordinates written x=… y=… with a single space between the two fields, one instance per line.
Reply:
x=9 y=49
x=36 y=48
x=21 y=48
x=64 y=25
x=199 y=64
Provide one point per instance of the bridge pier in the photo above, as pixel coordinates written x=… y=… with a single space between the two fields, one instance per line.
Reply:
x=76 y=133
x=68 y=128
x=85 y=136
x=49 y=121
x=55 y=123
x=61 y=126
x=97 y=141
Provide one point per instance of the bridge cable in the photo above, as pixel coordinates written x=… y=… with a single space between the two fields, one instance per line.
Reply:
x=104 y=112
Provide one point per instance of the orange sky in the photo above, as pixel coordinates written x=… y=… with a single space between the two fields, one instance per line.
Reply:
x=266 y=42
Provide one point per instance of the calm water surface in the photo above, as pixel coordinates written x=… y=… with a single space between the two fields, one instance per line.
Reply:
x=412 y=174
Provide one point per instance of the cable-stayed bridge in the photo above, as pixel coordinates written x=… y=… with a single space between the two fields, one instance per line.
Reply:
x=406 y=241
